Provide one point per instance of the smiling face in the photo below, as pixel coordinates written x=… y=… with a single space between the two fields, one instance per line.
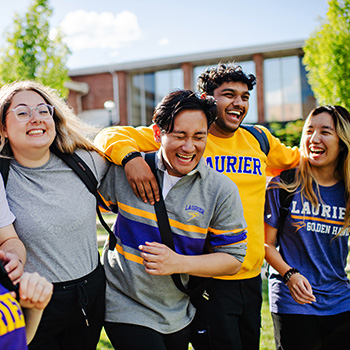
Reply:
x=30 y=140
x=183 y=148
x=322 y=143
x=233 y=104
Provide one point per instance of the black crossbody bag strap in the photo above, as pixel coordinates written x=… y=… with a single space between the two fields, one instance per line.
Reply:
x=285 y=198
x=89 y=179
x=163 y=221
x=4 y=168
x=6 y=282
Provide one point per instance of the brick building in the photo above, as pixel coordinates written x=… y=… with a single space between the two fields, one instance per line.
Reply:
x=282 y=92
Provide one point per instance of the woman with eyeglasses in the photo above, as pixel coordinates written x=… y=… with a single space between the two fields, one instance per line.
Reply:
x=309 y=290
x=55 y=212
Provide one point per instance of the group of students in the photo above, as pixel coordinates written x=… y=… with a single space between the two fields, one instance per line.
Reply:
x=196 y=137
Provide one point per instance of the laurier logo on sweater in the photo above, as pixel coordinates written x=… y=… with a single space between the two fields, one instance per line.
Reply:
x=194 y=211
x=233 y=164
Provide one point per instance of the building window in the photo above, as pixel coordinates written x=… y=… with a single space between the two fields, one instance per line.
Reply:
x=168 y=80
x=147 y=89
x=248 y=68
x=282 y=87
x=307 y=96
x=149 y=96
x=135 y=99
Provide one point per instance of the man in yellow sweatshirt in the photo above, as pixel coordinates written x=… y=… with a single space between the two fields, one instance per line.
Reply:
x=234 y=304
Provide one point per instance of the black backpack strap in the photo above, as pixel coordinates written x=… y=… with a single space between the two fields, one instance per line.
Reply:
x=285 y=197
x=162 y=215
x=163 y=221
x=89 y=179
x=260 y=135
x=4 y=168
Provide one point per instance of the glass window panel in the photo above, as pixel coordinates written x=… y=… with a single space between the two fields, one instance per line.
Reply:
x=149 y=98
x=148 y=89
x=167 y=81
x=176 y=79
x=291 y=88
x=307 y=97
x=136 y=100
x=197 y=71
x=272 y=89
x=282 y=87
x=162 y=84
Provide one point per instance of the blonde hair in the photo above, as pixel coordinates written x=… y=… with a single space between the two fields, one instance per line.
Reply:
x=304 y=177
x=71 y=132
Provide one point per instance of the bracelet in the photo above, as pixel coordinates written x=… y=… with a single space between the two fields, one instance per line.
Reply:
x=286 y=277
x=130 y=156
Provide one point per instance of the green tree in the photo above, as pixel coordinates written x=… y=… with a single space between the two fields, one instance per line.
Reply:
x=327 y=56
x=30 y=53
x=289 y=133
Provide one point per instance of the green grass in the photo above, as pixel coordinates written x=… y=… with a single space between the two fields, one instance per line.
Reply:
x=266 y=340
x=104 y=342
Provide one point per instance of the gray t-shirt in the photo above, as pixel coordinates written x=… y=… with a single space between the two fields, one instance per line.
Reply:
x=56 y=216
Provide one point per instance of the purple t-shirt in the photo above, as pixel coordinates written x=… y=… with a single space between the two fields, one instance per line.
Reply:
x=12 y=325
x=308 y=243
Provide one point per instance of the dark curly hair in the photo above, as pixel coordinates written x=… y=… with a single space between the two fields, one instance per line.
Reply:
x=214 y=77
x=178 y=101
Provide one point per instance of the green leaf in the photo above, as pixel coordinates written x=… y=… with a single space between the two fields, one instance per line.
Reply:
x=327 y=56
x=30 y=53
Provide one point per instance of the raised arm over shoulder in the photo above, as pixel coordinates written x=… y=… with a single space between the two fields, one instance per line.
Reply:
x=117 y=141
x=142 y=180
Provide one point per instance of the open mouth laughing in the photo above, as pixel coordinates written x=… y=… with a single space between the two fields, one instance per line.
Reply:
x=234 y=113
x=316 y=150
x=185 y=159
x=35 y=132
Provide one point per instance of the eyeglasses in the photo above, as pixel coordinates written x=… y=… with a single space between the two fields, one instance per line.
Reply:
x=24 y=113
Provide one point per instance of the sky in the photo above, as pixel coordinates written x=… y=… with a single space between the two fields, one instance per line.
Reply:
x=102 y=32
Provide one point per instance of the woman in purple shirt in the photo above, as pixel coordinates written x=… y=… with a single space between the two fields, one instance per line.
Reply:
x=309 y=290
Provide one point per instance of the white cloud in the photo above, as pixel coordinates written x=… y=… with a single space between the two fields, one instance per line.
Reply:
x=163 y=42
x=88 y=30
x=114 y=53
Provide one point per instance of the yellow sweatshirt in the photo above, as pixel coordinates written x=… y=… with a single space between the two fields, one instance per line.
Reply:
x=239 y=157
